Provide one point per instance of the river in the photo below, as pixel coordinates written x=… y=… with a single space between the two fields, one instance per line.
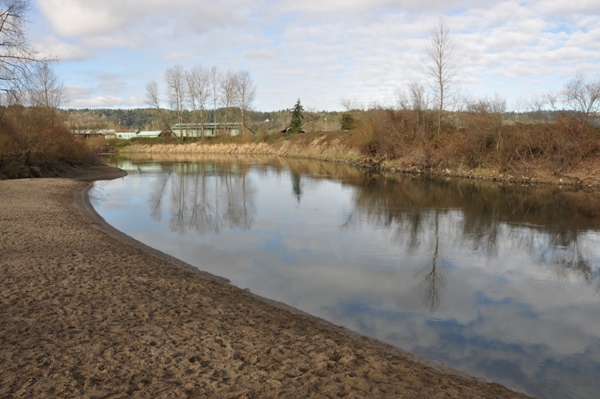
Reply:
x=501 y=281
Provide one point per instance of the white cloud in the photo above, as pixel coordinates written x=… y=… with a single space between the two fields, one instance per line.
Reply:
x=98 y=102
x=566 y=7
x=76 y=18
x=261 y=54
x=72 y=18
x=51 y=47
x=325 y=51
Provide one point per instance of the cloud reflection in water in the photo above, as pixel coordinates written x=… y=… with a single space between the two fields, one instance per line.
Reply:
x=500 y=281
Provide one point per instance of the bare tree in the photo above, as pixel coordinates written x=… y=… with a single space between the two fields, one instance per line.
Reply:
x=582 y=95
x=246 y=92
x=153 y=100
x=228 y=93
x=440 y=65
x=16 y=56
x=351 y=105
x=312 y=116
x=175 y=79
x=414 y=98
x=197 y=80
x=45 y=88
x=214 y=82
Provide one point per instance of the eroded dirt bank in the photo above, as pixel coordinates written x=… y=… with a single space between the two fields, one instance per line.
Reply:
x=89 y=313
x=586 y=175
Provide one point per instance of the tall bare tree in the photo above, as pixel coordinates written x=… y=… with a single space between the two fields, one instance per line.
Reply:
x=153 y=100
x=440 y=65
x=175 y=79
x=197 y=80
x=582 y=95
x=246 y=93
x=214 y=82
x=45 y=88
x=228 y=94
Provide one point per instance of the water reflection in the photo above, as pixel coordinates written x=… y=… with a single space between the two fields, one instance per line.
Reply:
x=545 y=222
x=204 y=198
x=500 y=281
x=297 y=185
x=431 y=278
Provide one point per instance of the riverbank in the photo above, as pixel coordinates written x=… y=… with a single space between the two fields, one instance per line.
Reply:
x=90 y=312
x=337 y=147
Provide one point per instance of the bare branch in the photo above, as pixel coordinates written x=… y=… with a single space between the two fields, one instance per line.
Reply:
x=153 y=100
x=582 y=95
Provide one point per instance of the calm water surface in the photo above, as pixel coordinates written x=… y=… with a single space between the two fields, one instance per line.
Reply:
x=499 y=281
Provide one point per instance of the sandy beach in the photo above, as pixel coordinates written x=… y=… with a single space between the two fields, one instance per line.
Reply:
x=87 y=312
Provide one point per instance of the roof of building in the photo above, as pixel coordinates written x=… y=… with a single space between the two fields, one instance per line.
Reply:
x=149 y=133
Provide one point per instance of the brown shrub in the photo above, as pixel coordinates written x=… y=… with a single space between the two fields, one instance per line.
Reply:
x=32 y=142
x=559 y=145
x=483 y=139
x=390 y=133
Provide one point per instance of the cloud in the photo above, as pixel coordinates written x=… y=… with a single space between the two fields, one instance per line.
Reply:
x=76 y=18
x=565 y=7
x=51 y=47
x=98 y=102
x=261 y=54
x=357 y=6
x=78 y=91
x=325 y=51
x=72 y=18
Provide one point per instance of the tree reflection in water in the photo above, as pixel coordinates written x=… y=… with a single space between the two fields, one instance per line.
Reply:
x=432 y=281
x=297 y=185
x=547 y=222
x=205 y=197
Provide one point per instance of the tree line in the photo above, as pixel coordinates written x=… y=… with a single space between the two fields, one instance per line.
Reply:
x=262 y=122
x=192 y=93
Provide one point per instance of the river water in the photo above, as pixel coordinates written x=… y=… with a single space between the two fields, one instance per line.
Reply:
x=501 y=281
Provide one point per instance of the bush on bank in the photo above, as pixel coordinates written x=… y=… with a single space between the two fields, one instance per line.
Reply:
x=34 y=142
x=476 y=138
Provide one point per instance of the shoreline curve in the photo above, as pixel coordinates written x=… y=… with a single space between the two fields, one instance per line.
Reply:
x=91 y=312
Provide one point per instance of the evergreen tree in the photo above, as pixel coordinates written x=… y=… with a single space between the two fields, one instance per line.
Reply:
x=348 y=121
x=297 y=117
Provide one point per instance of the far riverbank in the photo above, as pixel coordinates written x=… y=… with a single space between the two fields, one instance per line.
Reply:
x=335 y=147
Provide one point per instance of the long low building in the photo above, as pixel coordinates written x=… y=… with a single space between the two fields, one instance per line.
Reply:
x=184 y=130
x=210 y=129
x=109 y=134
x=149 y=134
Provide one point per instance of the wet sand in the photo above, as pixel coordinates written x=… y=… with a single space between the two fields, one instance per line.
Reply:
x=87 y=312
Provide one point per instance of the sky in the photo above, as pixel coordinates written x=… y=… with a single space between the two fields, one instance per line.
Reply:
x=323 y=52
